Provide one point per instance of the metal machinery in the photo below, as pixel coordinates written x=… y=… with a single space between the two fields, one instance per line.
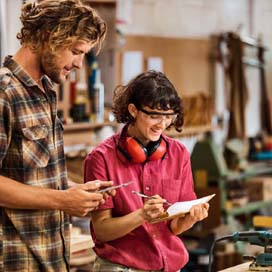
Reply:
x=261 y=262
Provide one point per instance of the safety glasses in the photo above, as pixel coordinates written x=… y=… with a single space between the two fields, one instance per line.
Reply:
x=157 y=117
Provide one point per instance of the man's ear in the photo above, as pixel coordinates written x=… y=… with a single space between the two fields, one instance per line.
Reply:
x=132 y=110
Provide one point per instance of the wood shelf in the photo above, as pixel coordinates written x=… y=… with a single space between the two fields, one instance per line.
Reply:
x=248 y=208
x=80 y=133
x=86 y=126
x=187 y=131
x=84 y=134
x=190 y=131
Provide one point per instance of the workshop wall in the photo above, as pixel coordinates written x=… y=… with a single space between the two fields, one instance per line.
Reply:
x=186 y=18
x=190 y=20
x=200 y=19
x=10 y=25
x=197 y=18
x=193 y=22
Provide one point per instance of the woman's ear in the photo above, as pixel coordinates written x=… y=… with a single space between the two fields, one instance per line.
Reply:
x=132 y=110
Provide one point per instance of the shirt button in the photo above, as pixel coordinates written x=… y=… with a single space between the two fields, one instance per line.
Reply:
x=147 y=188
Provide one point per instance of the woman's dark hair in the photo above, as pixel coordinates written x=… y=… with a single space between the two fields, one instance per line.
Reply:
x=152 y=89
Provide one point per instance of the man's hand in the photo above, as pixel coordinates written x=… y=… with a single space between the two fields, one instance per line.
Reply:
x=81 y=199
x=104 y=185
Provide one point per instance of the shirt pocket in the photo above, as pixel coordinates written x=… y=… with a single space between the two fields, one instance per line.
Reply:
x=35 y=146
x=172 y=190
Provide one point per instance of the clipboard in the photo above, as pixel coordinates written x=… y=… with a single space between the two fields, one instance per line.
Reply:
x=180 y=209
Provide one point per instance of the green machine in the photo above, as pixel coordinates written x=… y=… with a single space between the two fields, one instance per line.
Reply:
x=207 y=162
x=210 y=169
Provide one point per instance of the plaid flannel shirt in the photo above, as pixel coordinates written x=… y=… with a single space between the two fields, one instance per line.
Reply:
x=31 y=152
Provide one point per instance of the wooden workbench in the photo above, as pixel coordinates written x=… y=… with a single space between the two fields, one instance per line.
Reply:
x=238 y=268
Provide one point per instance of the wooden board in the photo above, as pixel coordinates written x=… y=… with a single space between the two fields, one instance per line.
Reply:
x=185 y=61
x=238 y=268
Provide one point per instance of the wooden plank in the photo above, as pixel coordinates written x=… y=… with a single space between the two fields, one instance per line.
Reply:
x=185 y=61
x=244 y=268
x=238 y=268
x=189 y=131
x=87 y=126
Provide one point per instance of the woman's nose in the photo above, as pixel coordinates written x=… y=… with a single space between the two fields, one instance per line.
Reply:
x=163 y=122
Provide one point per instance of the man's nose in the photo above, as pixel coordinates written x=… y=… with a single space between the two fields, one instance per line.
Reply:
x=78 y=60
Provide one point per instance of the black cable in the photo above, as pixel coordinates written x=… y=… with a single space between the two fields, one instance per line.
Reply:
x=228 y=237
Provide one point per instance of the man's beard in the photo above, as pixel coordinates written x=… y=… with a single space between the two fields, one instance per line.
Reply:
x=49 y=66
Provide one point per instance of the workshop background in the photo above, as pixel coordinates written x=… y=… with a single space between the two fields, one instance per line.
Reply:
x=218 y=55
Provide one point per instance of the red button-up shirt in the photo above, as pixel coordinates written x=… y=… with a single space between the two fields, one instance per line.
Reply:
x=150 y=246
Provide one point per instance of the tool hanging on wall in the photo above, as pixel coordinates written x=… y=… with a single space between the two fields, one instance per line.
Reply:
x=231 y=51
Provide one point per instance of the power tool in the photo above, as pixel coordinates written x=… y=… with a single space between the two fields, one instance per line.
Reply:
x=261 y=262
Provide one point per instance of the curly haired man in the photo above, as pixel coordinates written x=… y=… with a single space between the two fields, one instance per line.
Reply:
x=35 y=201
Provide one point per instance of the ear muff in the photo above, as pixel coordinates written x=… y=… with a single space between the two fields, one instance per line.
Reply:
x=136 y=150
x=139 y=153
x=157 y=151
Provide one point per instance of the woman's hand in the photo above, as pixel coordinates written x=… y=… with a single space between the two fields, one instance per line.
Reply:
x=197 y=213
x=153 y=207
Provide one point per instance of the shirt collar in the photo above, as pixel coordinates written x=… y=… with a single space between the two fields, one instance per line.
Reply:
x=23 y=76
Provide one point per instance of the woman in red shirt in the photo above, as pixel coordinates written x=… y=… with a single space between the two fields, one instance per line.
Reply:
x=159 y=166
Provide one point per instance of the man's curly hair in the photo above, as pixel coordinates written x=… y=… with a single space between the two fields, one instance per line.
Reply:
x=59 y=23
x=152 y=89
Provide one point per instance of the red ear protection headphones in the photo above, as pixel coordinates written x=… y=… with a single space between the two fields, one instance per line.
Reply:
x=138 y=153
